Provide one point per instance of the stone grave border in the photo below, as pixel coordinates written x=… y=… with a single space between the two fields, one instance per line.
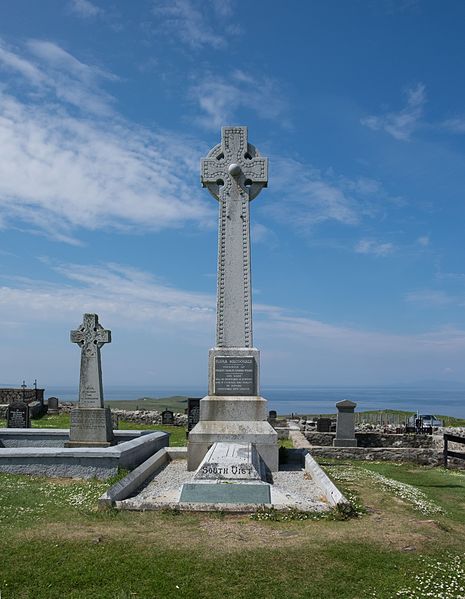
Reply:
x=41 y=452
x=138 y=477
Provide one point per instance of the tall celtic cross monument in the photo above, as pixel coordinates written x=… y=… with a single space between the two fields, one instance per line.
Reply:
x=91 y=424
x=233 y=411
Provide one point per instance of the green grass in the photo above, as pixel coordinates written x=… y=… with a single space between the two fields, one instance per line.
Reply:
x=176 y=403
x=177 y=438
x=57 y=546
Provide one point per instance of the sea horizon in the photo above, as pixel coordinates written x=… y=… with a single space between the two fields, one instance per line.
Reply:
x=447 y=400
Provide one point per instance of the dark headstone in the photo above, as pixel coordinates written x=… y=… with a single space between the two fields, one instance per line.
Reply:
x=193 y=412
x=323 y=425
x=167 y=417
x=17 y=415
x=52 y=405
x=272 y=415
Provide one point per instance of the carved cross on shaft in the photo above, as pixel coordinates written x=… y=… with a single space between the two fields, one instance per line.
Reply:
x=90 y=336
x=234 y=173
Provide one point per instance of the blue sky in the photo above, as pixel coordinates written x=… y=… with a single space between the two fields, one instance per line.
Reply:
x=107 y=107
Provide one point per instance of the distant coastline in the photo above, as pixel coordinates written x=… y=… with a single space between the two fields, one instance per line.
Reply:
x=430 y=398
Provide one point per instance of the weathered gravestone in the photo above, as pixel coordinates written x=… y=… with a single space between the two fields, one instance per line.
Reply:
x=167 y=417
x=323 y=425
x=52 y=405
x=193 y=412
x=345 y=426
x=91 y=424
x=272 y=415
x=17 y=415
x=233 y=411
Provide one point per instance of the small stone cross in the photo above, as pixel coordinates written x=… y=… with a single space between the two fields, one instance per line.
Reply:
x=234 y=173
x=90 y=336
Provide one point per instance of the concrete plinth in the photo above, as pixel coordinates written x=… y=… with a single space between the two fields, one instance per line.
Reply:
x=90 y=427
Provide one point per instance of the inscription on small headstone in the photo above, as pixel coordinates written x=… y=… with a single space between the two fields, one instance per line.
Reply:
x=18 y=415
x=235 y=376
x=167 y=417
x=193 y=412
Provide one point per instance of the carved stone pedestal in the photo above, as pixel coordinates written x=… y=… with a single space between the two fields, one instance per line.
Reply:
x=90 y=427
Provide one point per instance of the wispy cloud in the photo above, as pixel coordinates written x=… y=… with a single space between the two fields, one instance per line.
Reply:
x=309 y=196
x=430 y=297
x=129 y=301
x=222 y=100
x=455 y=125
x=373 y=247
x=401 y=124
x=85 y=9
x=55 y=74
x=197 y=24
x=62 y=169
x=118 y=291
x=423 y=240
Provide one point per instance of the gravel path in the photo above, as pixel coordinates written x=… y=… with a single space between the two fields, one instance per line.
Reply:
x=291 y=488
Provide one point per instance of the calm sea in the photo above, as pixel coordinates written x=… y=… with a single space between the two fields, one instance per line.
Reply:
x=312 y=400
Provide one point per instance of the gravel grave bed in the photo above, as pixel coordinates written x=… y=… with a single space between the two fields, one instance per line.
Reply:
x=291 y=488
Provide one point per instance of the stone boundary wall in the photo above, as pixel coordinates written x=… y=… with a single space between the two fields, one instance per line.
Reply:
x=137 y=416
x=427 y=457
x=373 y=439
x=11 y=394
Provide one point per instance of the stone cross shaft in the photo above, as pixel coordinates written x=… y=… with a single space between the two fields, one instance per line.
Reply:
x=90 y=336
x=234 y=173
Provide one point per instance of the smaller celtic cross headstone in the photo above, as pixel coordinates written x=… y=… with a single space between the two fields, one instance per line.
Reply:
x=90 y=337
x=91 y=424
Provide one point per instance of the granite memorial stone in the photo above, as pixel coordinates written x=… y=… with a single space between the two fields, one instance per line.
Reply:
x=52 y=404
x=193 y=412
x=91 y=424
x=233 y=411
x=345 y=426
x=167 y=417
x=17 y=415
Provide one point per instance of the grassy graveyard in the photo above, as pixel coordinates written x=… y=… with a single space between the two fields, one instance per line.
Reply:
x=406 y=541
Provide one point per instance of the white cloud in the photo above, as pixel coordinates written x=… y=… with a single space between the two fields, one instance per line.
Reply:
x=61 y=170
x=262 y=234
x=134 y=297
x=150 y=318
x=423 y=240
x=430 y=297
x=85 y=9
x=223 y=100
x=376 y=248
x=309 y=196
x=191 y=22
x=455 y=125
x=54 y=72
x=403 y=123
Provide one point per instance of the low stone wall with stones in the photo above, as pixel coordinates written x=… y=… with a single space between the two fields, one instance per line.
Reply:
x=10 y=394
x=148 y=417
x=373 y=439
x=137 y=416
x=427 y=457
